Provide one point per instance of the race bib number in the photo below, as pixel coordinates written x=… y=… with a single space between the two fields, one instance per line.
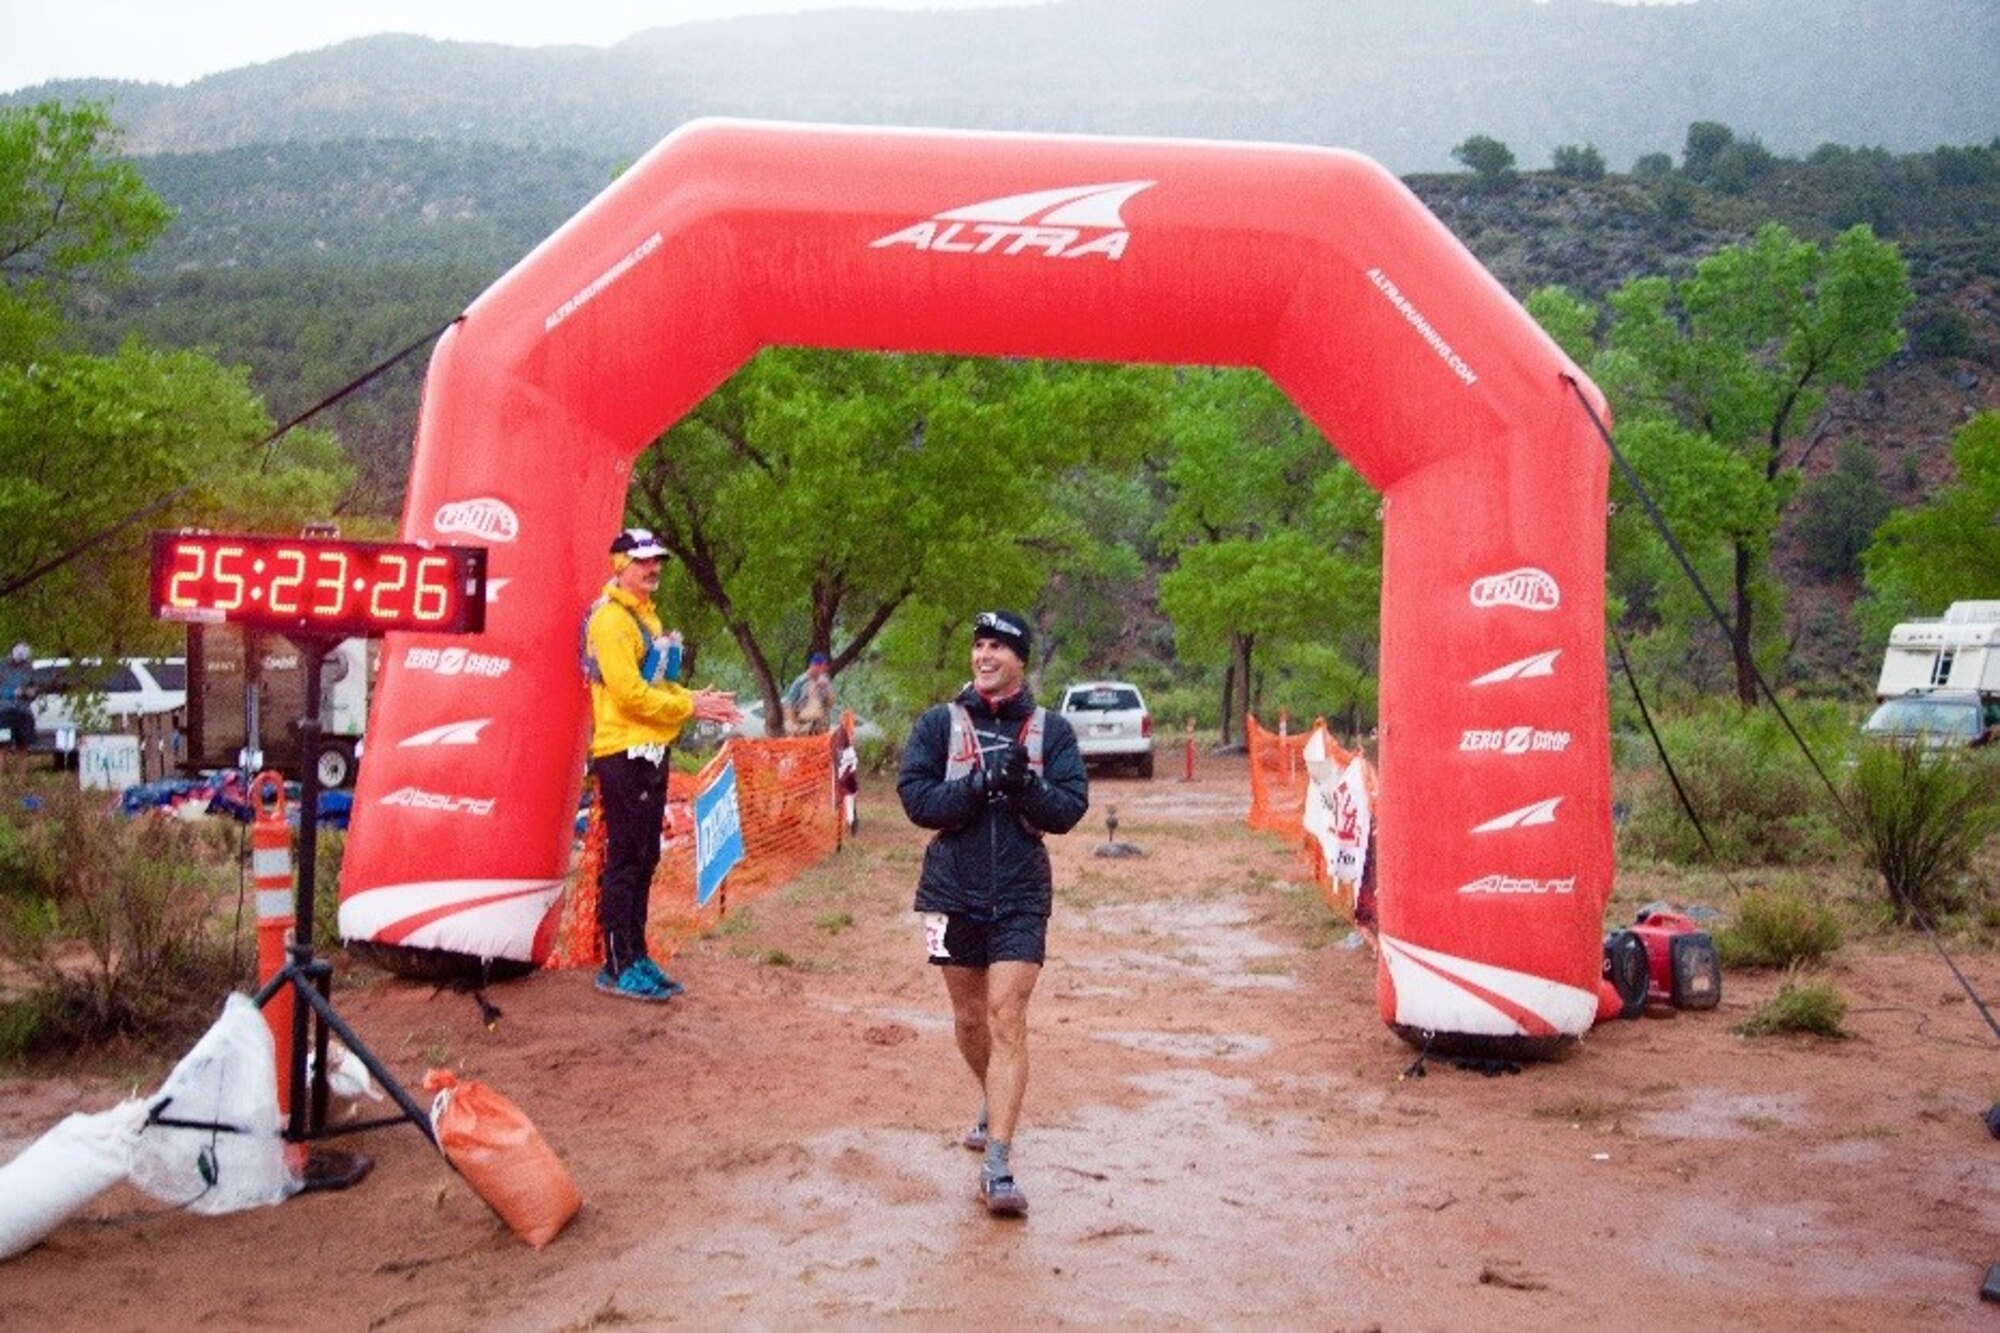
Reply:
x=934 y=924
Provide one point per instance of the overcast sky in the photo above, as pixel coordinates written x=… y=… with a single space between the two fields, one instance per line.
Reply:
x=178 y=41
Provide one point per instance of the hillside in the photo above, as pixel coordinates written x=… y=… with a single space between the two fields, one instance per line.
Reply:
x=1402 y=80
x=332 y=208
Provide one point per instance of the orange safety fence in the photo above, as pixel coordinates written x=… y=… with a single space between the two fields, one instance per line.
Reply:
x=1279 y=785
x=790 y=818
x=1277 y=777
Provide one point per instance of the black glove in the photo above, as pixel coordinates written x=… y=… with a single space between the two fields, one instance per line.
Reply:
x=976 y=782
x=1013 y=775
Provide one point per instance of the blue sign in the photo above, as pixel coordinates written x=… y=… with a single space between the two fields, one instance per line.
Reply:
x=718 y=834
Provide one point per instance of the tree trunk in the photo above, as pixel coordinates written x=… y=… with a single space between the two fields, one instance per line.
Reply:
x=1228 y=703
x=1242 y=644
x=1741 y=634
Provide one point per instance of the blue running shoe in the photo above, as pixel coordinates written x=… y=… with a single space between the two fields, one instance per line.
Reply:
x=651 y=971
x=632 y=984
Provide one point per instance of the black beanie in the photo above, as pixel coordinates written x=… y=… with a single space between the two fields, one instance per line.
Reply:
x=1008 y=627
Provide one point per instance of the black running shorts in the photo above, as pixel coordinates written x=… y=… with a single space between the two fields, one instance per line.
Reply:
x=953 y=940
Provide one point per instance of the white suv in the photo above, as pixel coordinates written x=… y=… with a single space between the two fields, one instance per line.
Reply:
x=1111 y=723
x=92 y=695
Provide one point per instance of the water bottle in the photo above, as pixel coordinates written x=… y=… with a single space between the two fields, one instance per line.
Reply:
x=674 y=655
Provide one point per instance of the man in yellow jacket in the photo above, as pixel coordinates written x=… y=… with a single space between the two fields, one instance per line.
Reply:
x=637 y=710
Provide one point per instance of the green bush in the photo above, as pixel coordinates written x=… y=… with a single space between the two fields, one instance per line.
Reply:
x=1801 y=1005
x=123 y=936
x=1754 y=791
x=1778 y=928
x=1921 y=815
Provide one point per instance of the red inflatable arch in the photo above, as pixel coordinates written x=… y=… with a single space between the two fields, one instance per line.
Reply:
x=1315 y=265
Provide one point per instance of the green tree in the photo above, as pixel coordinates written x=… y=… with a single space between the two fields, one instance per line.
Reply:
x=1924 y=559
x=817 y=495
x=1742 y=353
x=1714 y=501
x=1707 y=141
x=1578 y=162
x=1839 y=511
x=1276 y=539
x=96 y=450
x=71 y=214
x=1652 y=166
x=1566 y=317
x=1491 y=161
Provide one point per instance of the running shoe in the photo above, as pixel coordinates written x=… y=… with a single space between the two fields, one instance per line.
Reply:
x=651 y=971
x=975 y=1138
x=1003 y=1198
x=631 y=984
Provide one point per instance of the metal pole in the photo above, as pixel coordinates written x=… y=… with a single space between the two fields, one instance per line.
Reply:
x=306 y=860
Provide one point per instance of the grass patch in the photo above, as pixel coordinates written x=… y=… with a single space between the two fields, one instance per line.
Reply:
x=1803 y=1005
x=738 y=922
x=1582 y=1109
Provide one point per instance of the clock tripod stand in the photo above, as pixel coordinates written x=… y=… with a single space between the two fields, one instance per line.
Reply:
x=309 y=980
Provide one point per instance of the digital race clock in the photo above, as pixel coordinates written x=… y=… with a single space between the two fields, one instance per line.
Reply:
x=318 y=585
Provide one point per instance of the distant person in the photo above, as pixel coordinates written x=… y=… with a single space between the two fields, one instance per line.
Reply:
x=637 y=713
x=808 y=703
x=993 y=773
x=17 y=697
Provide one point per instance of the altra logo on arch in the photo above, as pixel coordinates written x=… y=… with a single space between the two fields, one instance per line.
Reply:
x=1074 y=222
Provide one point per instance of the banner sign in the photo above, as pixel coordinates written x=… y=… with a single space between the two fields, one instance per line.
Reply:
x=718 y=834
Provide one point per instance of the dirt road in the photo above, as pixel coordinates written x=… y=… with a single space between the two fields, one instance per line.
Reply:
x=1220 y=1132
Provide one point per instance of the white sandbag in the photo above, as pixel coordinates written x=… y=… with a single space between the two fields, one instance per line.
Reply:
x=83 y=1156
x=225 y=1153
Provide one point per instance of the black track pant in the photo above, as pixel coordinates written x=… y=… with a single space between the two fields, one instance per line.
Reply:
x=633 y=794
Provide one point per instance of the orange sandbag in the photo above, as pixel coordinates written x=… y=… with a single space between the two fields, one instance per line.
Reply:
x=492 y=1143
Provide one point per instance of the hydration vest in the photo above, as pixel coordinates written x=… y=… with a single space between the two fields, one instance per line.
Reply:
x=962 y=751
x=662 y=660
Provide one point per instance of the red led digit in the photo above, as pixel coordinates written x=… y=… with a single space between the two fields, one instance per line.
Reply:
x=433 y=599
x=330 y=588
x=178 y=591
x=386 y=598
x=229 y=584
x=290 y=565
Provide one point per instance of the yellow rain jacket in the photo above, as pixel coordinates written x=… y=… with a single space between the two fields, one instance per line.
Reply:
x=626 y=709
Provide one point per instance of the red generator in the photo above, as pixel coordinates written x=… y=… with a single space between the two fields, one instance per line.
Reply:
x=1680 y=958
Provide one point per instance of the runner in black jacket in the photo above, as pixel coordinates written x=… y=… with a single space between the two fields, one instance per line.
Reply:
x=992 y=774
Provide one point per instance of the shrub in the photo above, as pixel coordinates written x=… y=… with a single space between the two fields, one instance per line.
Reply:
x=1778 y=928
x=1839 y=510
x=1920 y=817
x=1940 y=333
x=122 y=938
x=1755 y=793
x=1801 y=1005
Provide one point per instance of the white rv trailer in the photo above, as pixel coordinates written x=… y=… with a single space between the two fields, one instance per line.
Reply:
x=1958 y=651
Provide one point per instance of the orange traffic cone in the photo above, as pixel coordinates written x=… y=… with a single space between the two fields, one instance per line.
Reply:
x=271 y=871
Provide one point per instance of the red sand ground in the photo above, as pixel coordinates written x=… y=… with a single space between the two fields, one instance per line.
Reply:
x=1218 y=1134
